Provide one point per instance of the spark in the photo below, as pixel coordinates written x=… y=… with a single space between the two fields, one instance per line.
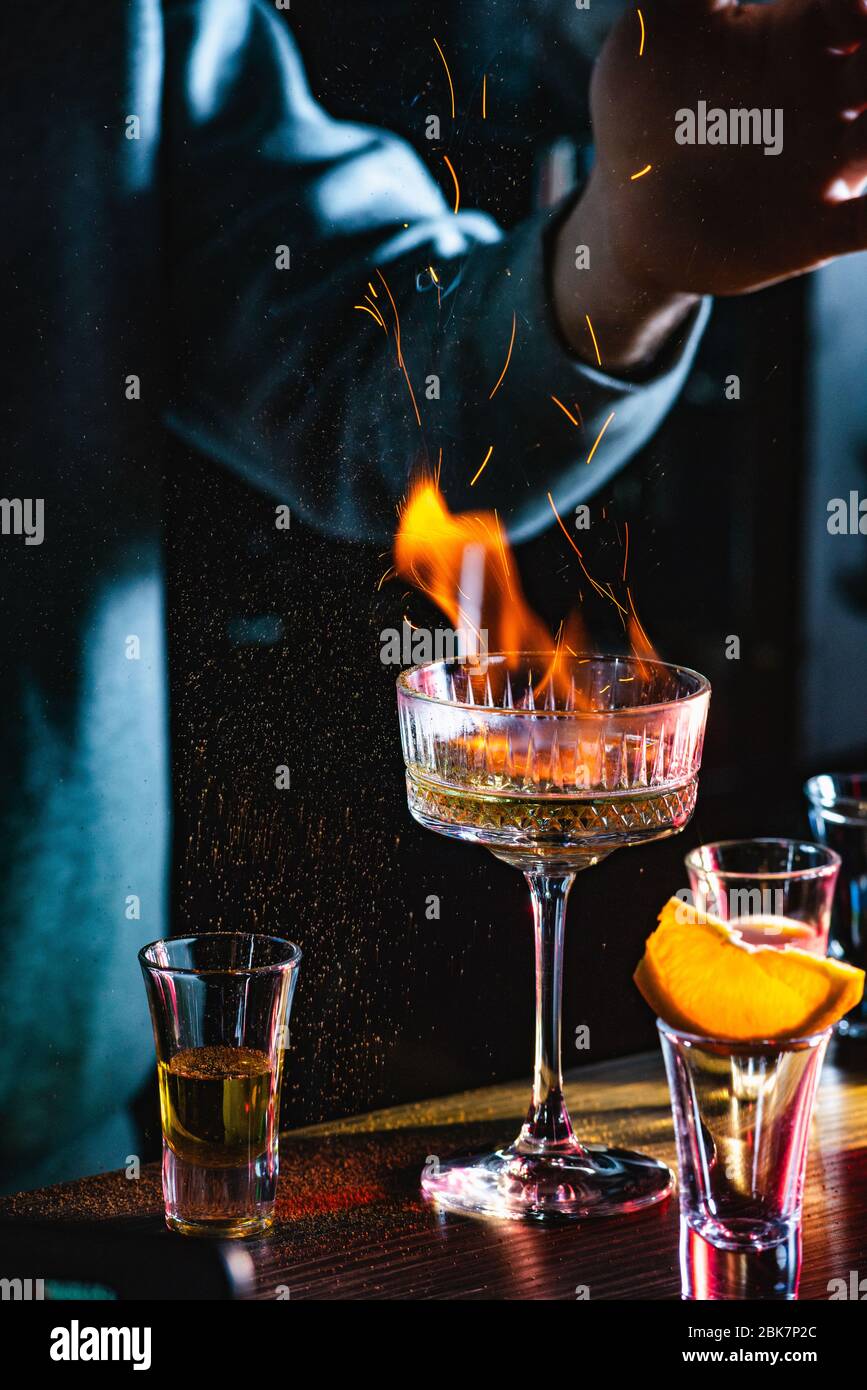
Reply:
x=640 y=175
x=468 y=622
x=593 y=336
x=483 y=523
x=483 y=467
x=485 y=97
x=390 y=570
x=563 y=528
x=565 y=411
x=374 y=316
x=641 y=45
x=449 y=76
x=556 y=659
x=457 y=185
x=502 y=546
x=617 y=604
x=433 y=275
x=598 y=587
x=626 y=555
x=461 y=592
x=375 y=310
x=508 y=357
x=599 y=436
x=638 y=621
x=605 y=688
x=372 y=290
x=439 y=468
x=400 y=360
x=461 y=615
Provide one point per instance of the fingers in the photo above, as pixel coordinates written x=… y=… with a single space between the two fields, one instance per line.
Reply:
x=853 y=162
x=852 y=80
x=844 y=228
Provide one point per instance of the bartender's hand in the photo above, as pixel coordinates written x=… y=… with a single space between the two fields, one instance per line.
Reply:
x=713 y=219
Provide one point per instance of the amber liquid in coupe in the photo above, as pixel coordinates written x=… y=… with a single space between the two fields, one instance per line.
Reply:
x=617 y=817
x=219 y=1109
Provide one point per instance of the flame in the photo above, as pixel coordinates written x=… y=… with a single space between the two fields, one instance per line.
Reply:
x=464 y=563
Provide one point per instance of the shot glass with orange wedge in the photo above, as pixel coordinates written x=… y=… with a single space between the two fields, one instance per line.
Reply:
x=744 y=1029
x=774 y=892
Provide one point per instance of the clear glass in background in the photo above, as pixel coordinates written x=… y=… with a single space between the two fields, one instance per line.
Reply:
x=220 y=1005
x=775 y=892
x=551 y=774
x=838 y=817
x=742 y=1116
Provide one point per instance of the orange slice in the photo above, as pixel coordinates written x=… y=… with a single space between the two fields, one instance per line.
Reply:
x=703 y=978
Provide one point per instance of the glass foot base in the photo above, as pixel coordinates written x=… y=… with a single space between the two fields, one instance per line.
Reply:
x=571 y=1184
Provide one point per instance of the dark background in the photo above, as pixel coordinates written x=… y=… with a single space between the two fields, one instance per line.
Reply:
x=275 y=644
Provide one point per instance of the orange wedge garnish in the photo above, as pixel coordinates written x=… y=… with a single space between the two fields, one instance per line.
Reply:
x=701 y=977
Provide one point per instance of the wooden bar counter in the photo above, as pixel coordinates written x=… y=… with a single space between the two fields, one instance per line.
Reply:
x=351 y=1223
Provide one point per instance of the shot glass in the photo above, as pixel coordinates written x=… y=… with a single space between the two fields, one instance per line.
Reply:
x=838 y=816
x=219 y=1006
x=741 y=1122
x=774 y=892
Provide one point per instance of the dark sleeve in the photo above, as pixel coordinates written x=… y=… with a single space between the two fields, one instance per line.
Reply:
x=280 y=377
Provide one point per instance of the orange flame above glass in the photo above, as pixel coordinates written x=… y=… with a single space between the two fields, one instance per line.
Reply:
x=465 y=565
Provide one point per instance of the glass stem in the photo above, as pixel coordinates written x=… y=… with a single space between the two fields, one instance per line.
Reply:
x=548 y=1122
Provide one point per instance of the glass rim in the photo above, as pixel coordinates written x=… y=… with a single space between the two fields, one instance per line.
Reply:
x=292 y=958
x=746 y=1045
x=830 y=866
x=702 y=690
x=840 y=803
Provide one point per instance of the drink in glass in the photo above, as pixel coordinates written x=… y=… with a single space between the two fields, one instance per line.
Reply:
x=773 y=892
x=551 y=775
x=220 y=1005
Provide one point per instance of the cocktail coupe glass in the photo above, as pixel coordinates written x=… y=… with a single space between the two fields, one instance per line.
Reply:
x=551 y=775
